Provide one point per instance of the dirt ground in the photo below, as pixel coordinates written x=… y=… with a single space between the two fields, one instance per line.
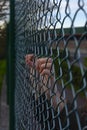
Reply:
x=4 y=109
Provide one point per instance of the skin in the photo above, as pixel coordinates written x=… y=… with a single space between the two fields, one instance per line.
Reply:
x=29 y=59
x=41 y=66
x=44 y=66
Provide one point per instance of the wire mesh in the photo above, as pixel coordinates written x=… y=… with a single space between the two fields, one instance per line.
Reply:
x=56 y=30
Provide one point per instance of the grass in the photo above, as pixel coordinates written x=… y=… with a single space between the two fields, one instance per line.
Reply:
x=85 y=62
x=2 y=71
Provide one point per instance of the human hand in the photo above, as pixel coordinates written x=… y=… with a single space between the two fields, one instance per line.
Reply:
x=44 y=66
x=29 y=59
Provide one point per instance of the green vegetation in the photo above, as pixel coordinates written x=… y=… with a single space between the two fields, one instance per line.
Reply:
x=3 y=39
x=63 y=64
x=85 y=62
x=2 y=72
x=62 y=70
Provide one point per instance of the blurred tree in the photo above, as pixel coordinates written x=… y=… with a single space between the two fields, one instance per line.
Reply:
x=3 y=43
x=4 y=10
x=4 y=18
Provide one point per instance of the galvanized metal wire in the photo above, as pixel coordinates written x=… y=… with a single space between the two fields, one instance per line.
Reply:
x=54 y=29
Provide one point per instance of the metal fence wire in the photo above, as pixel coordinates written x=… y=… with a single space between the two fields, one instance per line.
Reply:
x=55 y=33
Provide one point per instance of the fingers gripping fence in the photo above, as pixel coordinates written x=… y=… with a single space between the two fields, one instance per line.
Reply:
x=51 y=94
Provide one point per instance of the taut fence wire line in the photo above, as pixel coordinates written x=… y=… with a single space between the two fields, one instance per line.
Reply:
x=55 y=30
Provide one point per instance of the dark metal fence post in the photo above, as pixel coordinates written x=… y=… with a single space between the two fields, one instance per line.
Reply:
x=11 y=67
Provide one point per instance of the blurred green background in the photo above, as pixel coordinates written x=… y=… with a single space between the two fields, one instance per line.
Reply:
x=3 y=52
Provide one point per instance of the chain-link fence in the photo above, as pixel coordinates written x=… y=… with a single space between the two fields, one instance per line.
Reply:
x=55 y=97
